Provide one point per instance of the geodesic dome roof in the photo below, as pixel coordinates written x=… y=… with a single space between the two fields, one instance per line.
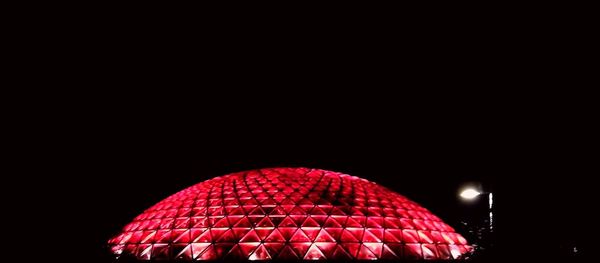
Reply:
x=287 y=214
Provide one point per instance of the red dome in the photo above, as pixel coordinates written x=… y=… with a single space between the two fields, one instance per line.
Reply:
x=288 y=213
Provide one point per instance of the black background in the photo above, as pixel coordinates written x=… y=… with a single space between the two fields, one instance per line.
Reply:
x=502 y=106
x=125 y=165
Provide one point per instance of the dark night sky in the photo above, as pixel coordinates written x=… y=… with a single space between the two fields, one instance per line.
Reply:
x=508 y=116
x=128 y=166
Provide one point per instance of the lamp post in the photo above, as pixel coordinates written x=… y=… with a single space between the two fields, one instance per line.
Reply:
x=472 y=193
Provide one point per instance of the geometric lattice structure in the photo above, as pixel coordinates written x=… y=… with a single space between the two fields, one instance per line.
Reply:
x=288 y=214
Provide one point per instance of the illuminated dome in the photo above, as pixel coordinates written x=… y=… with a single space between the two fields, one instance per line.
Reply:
x=287 y=214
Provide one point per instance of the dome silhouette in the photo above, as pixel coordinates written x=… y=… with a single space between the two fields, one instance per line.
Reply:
x=287 y=214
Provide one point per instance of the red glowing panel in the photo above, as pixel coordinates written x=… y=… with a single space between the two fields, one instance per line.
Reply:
x=288 y=214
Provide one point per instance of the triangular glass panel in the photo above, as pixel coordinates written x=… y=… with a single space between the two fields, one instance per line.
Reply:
x=250 y=201
x=182 y=222
x=336 y=211
x=437 y=237
x=276 y=219
x=460 y=239
x=160 y=251
x=330 y=222
x=257 y=211
x=377 y=232
x=287 y=232
x=298 y=219
x=419 y=224
x=311 y=232
x=228 y=236
x=359 y=219
x=310 y=222
x=375 y=222
x=199 y=211
x=223 y=248
x=268 y=202
x=278 y=211
x=340 y=219
x=217 y=232
x=263 y=232
x=307 y=207
x=216 y=211
x=199 y=222
x=340 y=254
x=244 y=222
x=351 y=222
x=365 y=254
x=236 y=254
x=237 y=211
x=306 y=202
x=208 y=254
x=429 y=251
x=287 y=253
x=357 y=211
x=327 y=248
x=279 y=197
x=392 y=235
x=326 y=208
x=148 y=236
x=221 y=223
x=297 y=211
x=248 y=248
x=182 y=252
x=395 y=248
x=375 y=211
x=212 y=220
x=163 y=236
x=274 y=247
x=334 y=232
x=251 y=236
x=347 y=236
x=275 y=236
x=299 y=236
x=318 y=211
x=375 y=248
x=144 y=252
x=260 y=253
x=412 y=251
x=248 y=207
x=425 y=236
x=265 y=222
x=320 y=219
x=234 y=219
x=446 y=237
x=287 y=202
x=255 y=219
x=314 y=253
x=351 y=248
x=324 y=236
x=444 y=252
x=137 y=236
x=391 y=222
x=118 y=249
x=182 y=237
x=406 y=223
x=410 y=236
x=240 y=232
x=268 y=209
x=198 y=248
x=301 y=248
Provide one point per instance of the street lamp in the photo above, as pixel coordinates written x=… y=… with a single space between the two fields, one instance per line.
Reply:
x=472 y=193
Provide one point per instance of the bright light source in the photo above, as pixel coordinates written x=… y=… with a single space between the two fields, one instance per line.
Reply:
x=469 y=193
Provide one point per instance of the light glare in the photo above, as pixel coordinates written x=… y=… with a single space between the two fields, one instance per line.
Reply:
x=469 y=193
